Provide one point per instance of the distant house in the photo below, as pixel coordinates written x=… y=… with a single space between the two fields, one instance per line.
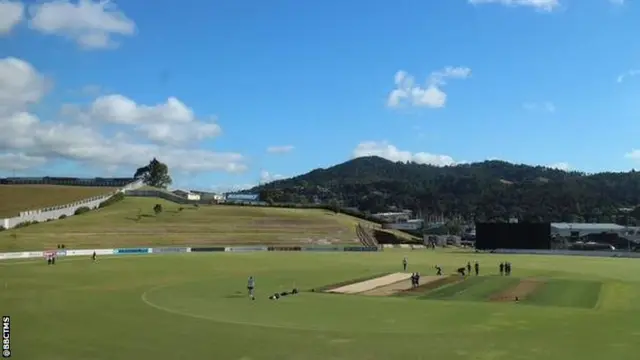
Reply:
x=187 y=195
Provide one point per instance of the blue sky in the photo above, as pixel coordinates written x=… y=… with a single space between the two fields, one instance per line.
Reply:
x=229 y=93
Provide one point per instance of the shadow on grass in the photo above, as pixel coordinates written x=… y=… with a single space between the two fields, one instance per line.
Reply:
x=139 y=217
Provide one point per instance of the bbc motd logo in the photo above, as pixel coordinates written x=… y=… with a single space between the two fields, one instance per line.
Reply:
x=6 y=337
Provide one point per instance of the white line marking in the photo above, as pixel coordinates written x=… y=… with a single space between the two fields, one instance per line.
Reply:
x=144 y=298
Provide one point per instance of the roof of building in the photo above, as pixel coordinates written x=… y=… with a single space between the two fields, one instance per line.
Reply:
x=587 y=226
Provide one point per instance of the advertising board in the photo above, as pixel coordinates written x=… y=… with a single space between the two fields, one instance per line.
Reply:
x=323 y=248
x=168 y=250
x=207 y=249
x=242 y=197
x=132 y=251
x=284 y=248
x=246 y=248
x=360 y=248
x=13 y=255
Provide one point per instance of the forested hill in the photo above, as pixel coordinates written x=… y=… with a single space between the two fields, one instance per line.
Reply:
x=490 y=190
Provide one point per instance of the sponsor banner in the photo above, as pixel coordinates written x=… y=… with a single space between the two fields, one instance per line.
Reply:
x=86 y=252
x=323 y=248
x=61 y=252
x=284 y=248
x=168 y=250
x=208 y=249
x=14 y=255
x=360 y=248
x=35 y=254
x=132 y=251
x=246 y=248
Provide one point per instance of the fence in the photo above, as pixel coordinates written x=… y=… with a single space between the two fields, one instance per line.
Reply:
x=55 y=212
x=166 y=196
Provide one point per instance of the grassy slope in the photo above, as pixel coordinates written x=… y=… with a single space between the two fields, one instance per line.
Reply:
x=202 y=312
x=117 y=226
x=16 y=198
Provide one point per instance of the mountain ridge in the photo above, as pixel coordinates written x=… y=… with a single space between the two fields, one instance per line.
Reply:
x=492 y=189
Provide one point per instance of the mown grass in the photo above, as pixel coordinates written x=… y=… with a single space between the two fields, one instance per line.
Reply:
x=17 y=198
x=196 y=307
x=565 y=292
x=132 y=222
x=473 y=288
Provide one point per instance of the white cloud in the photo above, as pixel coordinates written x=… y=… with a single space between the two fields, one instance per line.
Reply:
x=624 y=76
x=11 y=14
x=546 y=106
x=20 y=85
x=24 y=135
x=91 y=24
x=385 y=150
x=19 y=161
x=171 y=122
x=267 y=177
x=540 y=5
x=633 y=154
x=280 y=149
x=407 y=92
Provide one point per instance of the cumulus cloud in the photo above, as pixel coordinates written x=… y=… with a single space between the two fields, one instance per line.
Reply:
x=431 y=95
x=170 y=122
x=385 y=150
x=91 y=24
x=113 y=131
x=11 y=14
x=280 y=149
x=541 y=5
x=546 y=106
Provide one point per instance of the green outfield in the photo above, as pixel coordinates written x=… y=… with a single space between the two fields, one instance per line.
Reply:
x=194 y=306
x=132 y=222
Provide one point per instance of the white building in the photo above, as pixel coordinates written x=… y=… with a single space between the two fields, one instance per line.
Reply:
x=582 y=229
x=187 y=194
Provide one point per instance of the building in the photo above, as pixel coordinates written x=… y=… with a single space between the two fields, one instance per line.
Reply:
x=393 y=216
x=187 y=195
x=413 y=224
x=577 y=230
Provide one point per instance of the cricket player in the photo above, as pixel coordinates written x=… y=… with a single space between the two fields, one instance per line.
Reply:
x=438 y=270
x=405 y=262
x=251 y=284
x=93 y=256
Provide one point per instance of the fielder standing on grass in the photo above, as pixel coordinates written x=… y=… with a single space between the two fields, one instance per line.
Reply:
x=405 y=262
x=251 y=284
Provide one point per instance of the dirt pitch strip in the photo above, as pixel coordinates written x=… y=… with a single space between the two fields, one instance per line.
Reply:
x=397 y=287
x=523 y=289
x=369 y=285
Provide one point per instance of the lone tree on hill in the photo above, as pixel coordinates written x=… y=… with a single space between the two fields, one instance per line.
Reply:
x=154 y=174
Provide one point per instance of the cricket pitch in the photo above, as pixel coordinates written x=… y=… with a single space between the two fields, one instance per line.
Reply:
x=371 y=284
